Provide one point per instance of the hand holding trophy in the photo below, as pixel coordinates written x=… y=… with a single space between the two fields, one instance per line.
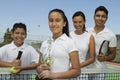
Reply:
x=47 y=60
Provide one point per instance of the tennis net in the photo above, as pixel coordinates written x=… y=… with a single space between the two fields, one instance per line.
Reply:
x=86 y=74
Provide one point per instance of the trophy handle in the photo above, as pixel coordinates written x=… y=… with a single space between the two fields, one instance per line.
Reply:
x=41 y=60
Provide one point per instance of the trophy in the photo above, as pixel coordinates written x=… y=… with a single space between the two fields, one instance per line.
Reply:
x=47 y=59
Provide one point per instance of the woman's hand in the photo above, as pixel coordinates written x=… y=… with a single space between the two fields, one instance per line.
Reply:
x=42 y=67
x=45 y=74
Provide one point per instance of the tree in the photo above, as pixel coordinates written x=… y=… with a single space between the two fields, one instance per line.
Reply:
x=7 y=37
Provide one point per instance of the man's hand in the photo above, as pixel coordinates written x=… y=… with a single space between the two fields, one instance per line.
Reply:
x=18 y=69
x=101 y=57
x=16 y=62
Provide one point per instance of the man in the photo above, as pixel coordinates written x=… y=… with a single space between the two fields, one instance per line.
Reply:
x=101 y=33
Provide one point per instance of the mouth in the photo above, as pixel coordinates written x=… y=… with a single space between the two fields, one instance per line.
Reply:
x=78 y=28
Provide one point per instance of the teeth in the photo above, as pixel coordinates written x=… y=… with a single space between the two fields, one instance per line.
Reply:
x=78 y=27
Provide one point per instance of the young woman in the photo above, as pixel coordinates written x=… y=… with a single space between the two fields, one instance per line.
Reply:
x=83 y=40
x=61 y=50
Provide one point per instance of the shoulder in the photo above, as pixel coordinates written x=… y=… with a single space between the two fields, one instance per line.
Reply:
x=109 y=32
x=87 y=34
x=45 y=42
x=28 y=47
x=7 y=46
x=66 y=38
x=72 y=32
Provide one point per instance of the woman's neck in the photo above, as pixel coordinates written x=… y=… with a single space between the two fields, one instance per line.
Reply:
x=55 y=36
x=79 y=32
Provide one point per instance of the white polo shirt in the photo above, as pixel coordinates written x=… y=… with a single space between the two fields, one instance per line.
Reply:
x=82 y=43
x=9 y=53
x=105 y=34
x=60 y=50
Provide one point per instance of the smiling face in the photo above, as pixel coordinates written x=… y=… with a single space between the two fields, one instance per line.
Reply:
x=56 y=23
x=78 y=23
x=19 y=36
x=100 y=18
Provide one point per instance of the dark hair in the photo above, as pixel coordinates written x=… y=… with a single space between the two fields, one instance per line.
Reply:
x=80 y=13
x=66 y=27
x=19 y=25
x=101 y=8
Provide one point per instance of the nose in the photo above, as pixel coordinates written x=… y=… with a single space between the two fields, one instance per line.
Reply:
x=100 y=17
x=54 y=23
x=19 y=34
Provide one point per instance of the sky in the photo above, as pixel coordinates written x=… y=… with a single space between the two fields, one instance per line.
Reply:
x=34 y=13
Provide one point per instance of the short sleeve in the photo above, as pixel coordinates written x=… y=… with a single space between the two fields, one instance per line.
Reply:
x=71 y=46
x=113 y=41
x=43 y=46
x=34 y=55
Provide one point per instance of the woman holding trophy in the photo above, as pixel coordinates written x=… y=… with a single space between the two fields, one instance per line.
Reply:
x=58 y=55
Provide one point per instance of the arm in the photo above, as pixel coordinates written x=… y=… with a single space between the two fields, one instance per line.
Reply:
x=91 y=53
x=32 y=62
x=28 y=67
x=112 y=54
x=112 y=50
x=10 y=64
x=21 y=68
x=73 y=72
x=34 y=59
x=5 y=64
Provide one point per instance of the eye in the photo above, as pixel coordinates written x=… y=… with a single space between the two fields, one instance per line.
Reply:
x=16 y=32
x=50 y=20
x=58 y=20
x=75 y=22
x=102 y=16
x=97 y=15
